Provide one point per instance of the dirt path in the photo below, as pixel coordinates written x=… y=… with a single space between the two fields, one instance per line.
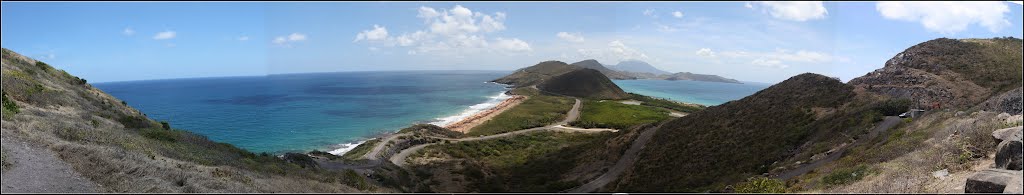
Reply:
x=885 y=125
x=37 y=170
x=626 y=161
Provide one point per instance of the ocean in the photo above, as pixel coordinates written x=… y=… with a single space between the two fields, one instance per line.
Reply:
x=699 y=92
x=302 y=112
x=335 y=112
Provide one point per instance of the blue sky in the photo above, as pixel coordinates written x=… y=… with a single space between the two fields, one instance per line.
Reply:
x=751 y=41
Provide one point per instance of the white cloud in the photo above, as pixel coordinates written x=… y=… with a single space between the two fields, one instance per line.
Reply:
x=128 y=31
x=456 y=31
x=290 y=38
x=571 y=37
x=623 y=52
x=515 y=45
x=650 y=13
x=793 y=10
x=748 y=5
x=243 y=38
x=705 y=52
x=948 y=17
x=769 y=63
x=165 y=35
x=782 y=58
x=677 y=14
x=378 y=33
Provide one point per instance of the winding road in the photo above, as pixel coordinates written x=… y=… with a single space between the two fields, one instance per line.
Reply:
x=626 y=161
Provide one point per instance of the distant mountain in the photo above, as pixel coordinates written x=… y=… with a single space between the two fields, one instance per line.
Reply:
x=687 y=76
x=584 y=82
x=612 y=74
x=535 y=74
x=638 y=67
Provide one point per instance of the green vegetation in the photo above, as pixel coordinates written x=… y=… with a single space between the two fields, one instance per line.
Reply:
x=134 y=122
x=360 y=150
x=351 y=178
x=893 y=107
x=166 y=135
x=535 y=74
x=9 y=107
x=536 y=111
x=846 y=175
x=761 y=185
x=664 y=103
x=748 y=134
x=612 y=114
x=329 y=156
x=525 y=163
x=165 y=125
x=43 y=66
x=585 y=83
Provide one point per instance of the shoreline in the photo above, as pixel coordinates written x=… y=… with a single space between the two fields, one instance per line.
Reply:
x=478 y=118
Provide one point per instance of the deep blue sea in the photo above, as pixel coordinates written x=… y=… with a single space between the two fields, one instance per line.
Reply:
x=336 y=111
x=700 y=92
x=302 y=112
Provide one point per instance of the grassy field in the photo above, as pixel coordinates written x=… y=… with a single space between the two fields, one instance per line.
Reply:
x=526 y=163
x=612 y=114
x=538 y=110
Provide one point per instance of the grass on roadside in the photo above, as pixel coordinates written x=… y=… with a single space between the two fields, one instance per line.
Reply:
x=536 y=111
x=612 y=114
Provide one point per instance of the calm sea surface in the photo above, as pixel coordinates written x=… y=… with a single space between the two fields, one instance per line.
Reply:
x=706 y=93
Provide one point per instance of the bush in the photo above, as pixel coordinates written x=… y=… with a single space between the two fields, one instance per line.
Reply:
x=9 y=107
x=161 y=135
x=893 y=107
x=42 y=65
x=134 y=122
x=165 y=125
x=845 y=175
x=761 y=185
x=351 y=178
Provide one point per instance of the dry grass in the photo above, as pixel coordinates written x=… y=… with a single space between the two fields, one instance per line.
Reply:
x=959 y=144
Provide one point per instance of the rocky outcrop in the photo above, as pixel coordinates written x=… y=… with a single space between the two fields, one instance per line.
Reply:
x=1006 y=176
x=1009 y=153
x=990 y=181
x=1009 y=102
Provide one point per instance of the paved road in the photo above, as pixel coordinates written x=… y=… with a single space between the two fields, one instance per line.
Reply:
x=626 y=161
x=885 y=125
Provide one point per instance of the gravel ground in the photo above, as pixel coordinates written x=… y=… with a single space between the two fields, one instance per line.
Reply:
x=37 y=170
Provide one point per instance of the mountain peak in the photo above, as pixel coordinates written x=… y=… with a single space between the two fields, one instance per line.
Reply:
x=638 y=66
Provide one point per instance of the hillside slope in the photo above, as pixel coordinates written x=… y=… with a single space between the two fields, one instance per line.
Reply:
x=949 y=72
x=726 y=143
x=638 y=67
x=113 y=145
x=535 y=74
x=586 y=83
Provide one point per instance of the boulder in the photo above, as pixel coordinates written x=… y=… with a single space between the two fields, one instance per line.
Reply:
x=990 y=181
x=1009 y=155
x=1012 y=133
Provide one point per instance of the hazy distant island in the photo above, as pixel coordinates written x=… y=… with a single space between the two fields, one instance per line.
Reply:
x=636 y=69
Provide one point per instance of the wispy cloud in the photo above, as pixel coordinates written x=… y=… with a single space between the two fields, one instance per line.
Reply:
x=571 y=37
x=128 y=31
x=792 y=10
x=165 y=35
x=286 y=40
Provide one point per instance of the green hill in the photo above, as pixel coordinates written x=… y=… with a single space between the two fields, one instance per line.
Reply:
x=586 y=83
x=725 y=144
x=535 y=74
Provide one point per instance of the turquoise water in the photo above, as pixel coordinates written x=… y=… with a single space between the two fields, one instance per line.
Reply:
x=302 y=112
x=705 y=93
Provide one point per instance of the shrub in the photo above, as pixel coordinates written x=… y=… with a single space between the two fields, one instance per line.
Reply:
x=893 y=107
x=165 y=125
x=9 y=107
x=845 y=175
x=42 y=65
x=134 y=122
x=761 y=185
x=161 y=135
x=351 y=178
